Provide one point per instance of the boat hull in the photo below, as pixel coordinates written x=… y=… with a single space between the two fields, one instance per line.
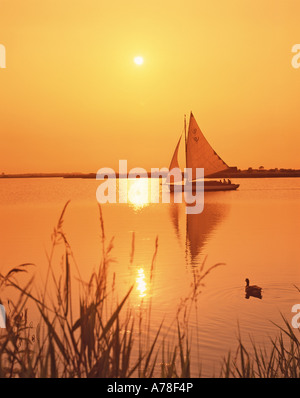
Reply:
x=209 y=186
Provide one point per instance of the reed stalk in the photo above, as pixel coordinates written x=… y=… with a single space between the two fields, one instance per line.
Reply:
x=97 y=336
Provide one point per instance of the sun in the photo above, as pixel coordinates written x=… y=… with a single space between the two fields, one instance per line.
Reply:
x=138 y=60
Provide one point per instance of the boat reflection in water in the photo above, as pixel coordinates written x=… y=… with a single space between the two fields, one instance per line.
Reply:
x=198 y=228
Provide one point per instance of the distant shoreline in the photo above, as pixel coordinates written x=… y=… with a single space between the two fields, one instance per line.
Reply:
x=283 y=173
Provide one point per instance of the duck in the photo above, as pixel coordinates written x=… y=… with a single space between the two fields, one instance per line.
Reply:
x=252 y=290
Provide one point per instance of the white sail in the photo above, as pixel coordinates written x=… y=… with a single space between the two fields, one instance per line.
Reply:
x=199 y=153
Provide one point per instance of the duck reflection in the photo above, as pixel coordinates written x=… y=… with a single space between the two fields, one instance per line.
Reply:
x=198 y=227
x=257 y=295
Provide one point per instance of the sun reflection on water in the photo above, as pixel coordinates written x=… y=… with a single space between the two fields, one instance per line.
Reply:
x=141 y=283
x=138 y=194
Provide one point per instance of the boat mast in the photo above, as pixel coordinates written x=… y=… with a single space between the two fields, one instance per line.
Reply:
x=185 y=140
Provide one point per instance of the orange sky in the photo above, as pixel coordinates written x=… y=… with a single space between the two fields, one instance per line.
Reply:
x=73 y=100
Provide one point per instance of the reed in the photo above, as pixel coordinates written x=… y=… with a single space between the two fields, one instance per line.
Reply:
x=99 y=341
x=96 y=335
x=281 y=360
x=91 y=345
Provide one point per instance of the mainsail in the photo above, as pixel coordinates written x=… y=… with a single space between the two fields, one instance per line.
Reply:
x=199 y=153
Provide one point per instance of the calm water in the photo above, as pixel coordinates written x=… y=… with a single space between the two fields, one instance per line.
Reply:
x=254 y=231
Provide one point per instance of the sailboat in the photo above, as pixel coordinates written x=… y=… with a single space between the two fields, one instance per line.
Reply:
x=199 y=154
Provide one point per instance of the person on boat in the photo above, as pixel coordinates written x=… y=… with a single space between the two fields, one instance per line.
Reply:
x=229 y=182
x=224 y=181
